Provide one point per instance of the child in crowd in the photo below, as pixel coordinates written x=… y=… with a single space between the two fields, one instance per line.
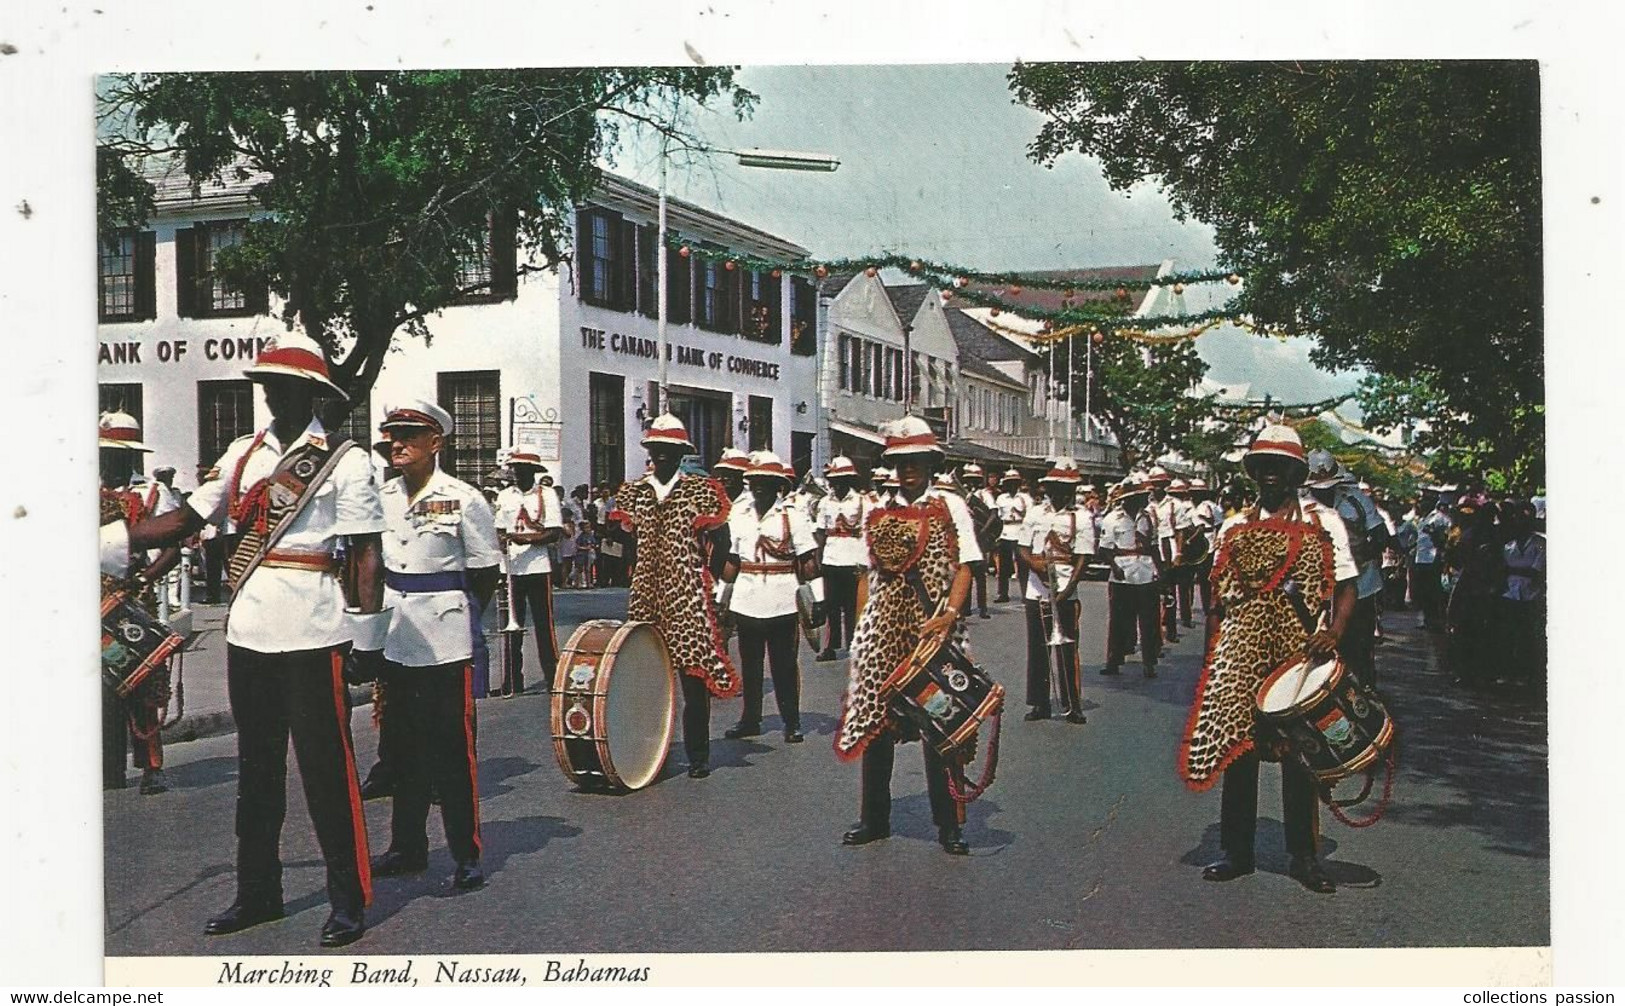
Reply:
x=567 y=554
x=586 y=551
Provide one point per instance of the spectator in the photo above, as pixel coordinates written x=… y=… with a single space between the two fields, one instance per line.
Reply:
x=1470 y=613
x=567 y=554
x=586 y=554
x=1523 y=603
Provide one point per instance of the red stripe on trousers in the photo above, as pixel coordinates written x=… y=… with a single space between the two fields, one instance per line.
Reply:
x=473 y=762
x=358 y=821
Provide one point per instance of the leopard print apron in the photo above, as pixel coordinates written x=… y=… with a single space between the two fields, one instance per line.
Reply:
x=888 y=627
x=671 y=582
x=1260 y=630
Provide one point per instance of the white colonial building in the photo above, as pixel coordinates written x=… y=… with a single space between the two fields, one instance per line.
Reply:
x=563 y=360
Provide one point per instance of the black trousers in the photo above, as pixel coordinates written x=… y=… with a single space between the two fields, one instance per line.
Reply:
x=214 y=567
x=1238 y=808
x=876 y=770
x=978 y=571
x=533 y=605
x=431 y=712
x=1204 y=583
x=1010 y=564
x=1428 y=593
x=1041 y=659
x=696 y=719
x=1131 y=606
x=841 y=593
x=777 y=637
x=1358 y=648
x=302 y=694
x=1184 y=581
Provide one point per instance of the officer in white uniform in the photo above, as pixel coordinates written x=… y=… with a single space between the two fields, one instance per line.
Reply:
x=1012 y=505
x=440 y=566
x=1058 y=538
x=289 y=631
x=530 y=518
x=772 y=552
x=840 y=530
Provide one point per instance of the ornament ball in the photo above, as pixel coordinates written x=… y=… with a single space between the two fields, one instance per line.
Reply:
x=821 y=272
x=1098 y=337
x=1232 y=279
x=870 y=272
x=1179 y=288
x=1122 y=293
x=728 y=265
x=683 y=251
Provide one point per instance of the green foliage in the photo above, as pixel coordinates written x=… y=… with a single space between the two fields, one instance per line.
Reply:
x=376 y=186
x=1141 y=393
x=1392 y=209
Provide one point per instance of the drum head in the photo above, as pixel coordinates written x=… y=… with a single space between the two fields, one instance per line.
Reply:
x=642 y=697
x=1291 y=685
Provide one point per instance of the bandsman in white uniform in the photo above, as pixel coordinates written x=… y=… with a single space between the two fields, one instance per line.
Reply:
x=1058 y=539
x=1168 y=519
x=293 y=491
x=773 y=552
x=1186 y=528
x=530 y=520
x=840 y=531
x=440 y=567
x=879 y=476
x=730 y=471
x=1012 y=505
x=1208 y=515
x=1128 y=544
x=982 y=501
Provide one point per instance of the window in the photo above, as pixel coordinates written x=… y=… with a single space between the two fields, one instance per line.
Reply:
x=708 y=295
x=803 y=317
x=679 y=287
x=761 y=423
x=763 y=321
x=488 y=268
x=225 y=411
x=471 y=397
x=875 y=383
x=605 y=257
x=351 y=419
x=648 y=271
x=474 y=264
x=843 y=353
x=125 y=398
x=125 y=264
x=200 y=292
x=606 y=428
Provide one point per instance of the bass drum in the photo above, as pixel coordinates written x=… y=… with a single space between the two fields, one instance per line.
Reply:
x=614 y=705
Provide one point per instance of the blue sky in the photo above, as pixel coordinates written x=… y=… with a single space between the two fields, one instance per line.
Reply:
x=934 y=163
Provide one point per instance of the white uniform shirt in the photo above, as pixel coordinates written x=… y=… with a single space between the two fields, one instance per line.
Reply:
x=765 y=594
x=1037 y=517
x=1012 y=509
x=115 y=549
x=539 y=507
x=1529 y=556
x=281 y=610
x=446 y=528
x=1073 y=531
x=852 y=510
x=1122 y=532
x=1430 y=537
x=1343 y=566
x=1210 y=515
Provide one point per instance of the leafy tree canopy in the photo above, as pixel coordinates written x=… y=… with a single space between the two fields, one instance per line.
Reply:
x=1392 y=209
x=378 y=186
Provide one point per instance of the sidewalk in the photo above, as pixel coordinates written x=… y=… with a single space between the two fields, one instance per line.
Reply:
x=206 y=709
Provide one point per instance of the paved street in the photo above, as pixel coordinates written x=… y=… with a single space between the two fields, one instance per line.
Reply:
x=1088 y=839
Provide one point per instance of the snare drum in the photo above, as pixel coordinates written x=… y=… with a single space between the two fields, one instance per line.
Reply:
x=945 y=696
x=1332 y=724
x=134 y=643
x=614 y=705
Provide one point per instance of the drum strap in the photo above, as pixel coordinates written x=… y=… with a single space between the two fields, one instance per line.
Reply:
x=257 y=541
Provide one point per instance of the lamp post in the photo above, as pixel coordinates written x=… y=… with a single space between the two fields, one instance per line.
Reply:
x=783 y=160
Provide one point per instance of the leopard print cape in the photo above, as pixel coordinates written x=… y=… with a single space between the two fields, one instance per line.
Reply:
x=1259 y=631
x=888 y=627
x=671 y=583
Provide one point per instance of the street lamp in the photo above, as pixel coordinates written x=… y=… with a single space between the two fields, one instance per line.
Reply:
x=784 y=160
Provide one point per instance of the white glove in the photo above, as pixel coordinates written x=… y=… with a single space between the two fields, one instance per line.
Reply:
x=817 y=585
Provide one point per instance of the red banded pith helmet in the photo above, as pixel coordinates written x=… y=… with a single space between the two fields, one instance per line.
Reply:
x=768 y=463
x=1064 y=471
x=840 y=466
x=1276 y=440
x=119 y=431
x=291 y=354
x=733 y=460
x=667 y=429
x=910 y=435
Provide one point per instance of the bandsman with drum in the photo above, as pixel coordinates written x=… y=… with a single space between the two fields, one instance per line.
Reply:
x=440 y=568
x=840 y=530
x=673 y=514
x=1057 y=545
x=773 y=553
x=910 y=598
x=292 y=491
x=1278 y=561
x=529 y=519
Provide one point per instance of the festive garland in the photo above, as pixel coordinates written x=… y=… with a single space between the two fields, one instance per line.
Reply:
x=940 y=274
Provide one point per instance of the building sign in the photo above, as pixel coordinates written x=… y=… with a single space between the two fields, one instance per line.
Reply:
x=242 y=347
x=535 y=428
x=676 y=353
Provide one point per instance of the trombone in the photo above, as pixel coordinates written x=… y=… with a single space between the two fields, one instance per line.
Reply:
x=1058 y=639
x=511 y=629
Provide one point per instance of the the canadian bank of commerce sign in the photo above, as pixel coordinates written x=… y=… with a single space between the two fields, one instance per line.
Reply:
x=678 y=354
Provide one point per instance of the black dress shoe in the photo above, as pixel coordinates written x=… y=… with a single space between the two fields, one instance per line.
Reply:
x=1226 y=869
x=699 y=771
x=863 y=835
x=153 y=782
x=983 y=614
x=1306 y=871
x=1076 y=717
x=793 y=736
x=952 y=842
x=739 y=730
x=243 y=915
x=1036 y=714
x=469 y=877
x=825 y=656
x=1150 y=671
x=394 y=863
x=342 y=929
x=374 y=789
x=1111 y=671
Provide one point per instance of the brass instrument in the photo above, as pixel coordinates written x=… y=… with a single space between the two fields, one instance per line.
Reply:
x=510 y=626
x=1050 y=609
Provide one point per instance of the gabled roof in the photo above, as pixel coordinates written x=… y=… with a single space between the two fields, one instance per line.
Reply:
x=977 y=367
x=1136 y=279
x=977 y=341
x=906 y=299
